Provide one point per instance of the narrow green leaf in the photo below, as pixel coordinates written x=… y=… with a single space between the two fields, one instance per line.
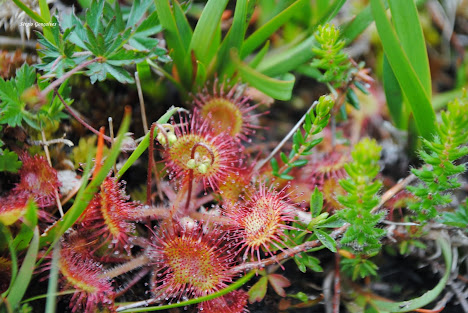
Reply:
x=144 y=143
x=415 y=93
x=174 y=39
x=284 y=157
x=26 y=232
x=275 y=88
x=274 y=165
x=326 y=239
x=264 y=32
x=201 y=74
x=331 y=12
x=357 y=25
x=234 y=38
x=299 y=163
x=286 y=177
x=316 y=202
x=5 y=232
x=352 y=98
x=53 y=279
x=36 y=17
x=44 y=7
x=183 y=25
x=233 y=286
x=288 y=59
x=83 y=198
x=25 y=273
x=404 y=17
x=393 y=94
x=428 y=297
x=206 y=27
x=259 y=56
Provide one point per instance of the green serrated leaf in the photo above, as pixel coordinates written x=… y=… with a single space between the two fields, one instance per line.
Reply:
x=316 y=202
x=9 y=161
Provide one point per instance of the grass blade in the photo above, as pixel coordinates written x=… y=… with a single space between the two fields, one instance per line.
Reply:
x=84 y=197
x=331 y=12
x=174 y=38
x=234 y=37
x=144 y=143
x=264 y=32
x=25 y=273
x=5 y=232
x=26 y=232
x=206 y=28
x=51 y=302
x=428 y=297
x=289 y=59
x=414 y=90
x=405 y=17
x=278 y=89
x=393 y=95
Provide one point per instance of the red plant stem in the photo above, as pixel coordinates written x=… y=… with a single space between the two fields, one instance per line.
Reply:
x=190 y=178
x=79 y=119
x=189 y=191
x=150 y=164
x=60 y=80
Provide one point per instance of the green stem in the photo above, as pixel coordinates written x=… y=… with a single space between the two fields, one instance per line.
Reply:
x=144 y=143
x=236 y=285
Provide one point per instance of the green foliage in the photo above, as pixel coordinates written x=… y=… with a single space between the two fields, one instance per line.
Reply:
x=439 y=173
x=9 y=161
x=330 y=57
x=104 y=42
x=361 y=186
x=19 y=101
x=195 y=62
x=314 y=123
x=458 y=218
x=408 y=65
x=358 y=267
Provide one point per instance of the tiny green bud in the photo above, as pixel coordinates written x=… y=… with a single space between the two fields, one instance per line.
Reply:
x=191 y=164
x=203 y=168
x=172 y=138
x=161 y=138
x=325 y=104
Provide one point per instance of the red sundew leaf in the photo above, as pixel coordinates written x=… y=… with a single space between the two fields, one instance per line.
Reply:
x=258 y=290
x=278 y=282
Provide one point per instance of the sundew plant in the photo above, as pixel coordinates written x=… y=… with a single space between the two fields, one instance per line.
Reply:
x=233 y=156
